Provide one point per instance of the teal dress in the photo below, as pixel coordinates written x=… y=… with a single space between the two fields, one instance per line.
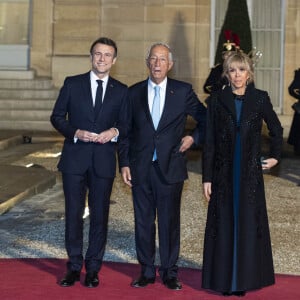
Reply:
x=236 y=187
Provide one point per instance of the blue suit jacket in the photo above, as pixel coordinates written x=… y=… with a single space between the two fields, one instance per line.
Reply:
x=136 y=150
x=74 y=110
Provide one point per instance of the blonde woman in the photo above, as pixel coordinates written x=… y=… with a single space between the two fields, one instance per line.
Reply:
x=237 y=248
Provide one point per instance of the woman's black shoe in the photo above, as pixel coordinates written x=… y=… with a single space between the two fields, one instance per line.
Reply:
x=226 y=294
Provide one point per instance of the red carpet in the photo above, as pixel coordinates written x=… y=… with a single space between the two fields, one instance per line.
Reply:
x=30 y=279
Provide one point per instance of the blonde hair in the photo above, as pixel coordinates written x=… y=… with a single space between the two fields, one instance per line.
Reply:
x=241 y=59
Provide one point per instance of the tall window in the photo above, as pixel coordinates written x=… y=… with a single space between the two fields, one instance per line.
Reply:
x=267 y=28
x=14 y=34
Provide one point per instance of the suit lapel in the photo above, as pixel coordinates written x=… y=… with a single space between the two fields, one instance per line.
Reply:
x=169 y=103
x=86 y=86
x=145 y=102
x=108 y=93
x=107 y=96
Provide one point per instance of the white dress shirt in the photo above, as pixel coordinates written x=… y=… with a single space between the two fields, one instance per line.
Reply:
x=94 y=85
x=151 y=93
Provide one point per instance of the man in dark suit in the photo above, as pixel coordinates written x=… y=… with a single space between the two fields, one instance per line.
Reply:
x=153 y=163
x=89 y=113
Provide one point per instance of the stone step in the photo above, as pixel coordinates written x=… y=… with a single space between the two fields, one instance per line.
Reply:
x=31 y=125
x=17 y=74
x=28 y=94
x=34 y=115
x=26 y=104
x=39 y=83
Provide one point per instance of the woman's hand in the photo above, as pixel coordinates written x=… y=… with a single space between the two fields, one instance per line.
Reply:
x=186 y=143
x=207 y=190
x=269 y=163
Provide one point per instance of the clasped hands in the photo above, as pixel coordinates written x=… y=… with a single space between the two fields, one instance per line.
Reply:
x=102 y=138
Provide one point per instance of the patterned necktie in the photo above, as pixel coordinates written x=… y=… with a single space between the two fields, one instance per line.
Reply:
x=98 y=99
x=155 y=113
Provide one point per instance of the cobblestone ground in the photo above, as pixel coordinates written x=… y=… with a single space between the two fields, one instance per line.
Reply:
x=35 y=227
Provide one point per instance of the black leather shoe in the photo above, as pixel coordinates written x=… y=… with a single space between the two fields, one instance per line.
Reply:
x=226 y=294
x=173 y=284
x=91 y=279
x=239 y=293
x=142 y=282
x=70 y=278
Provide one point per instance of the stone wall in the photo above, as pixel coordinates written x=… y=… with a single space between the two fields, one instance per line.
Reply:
x=63 y=30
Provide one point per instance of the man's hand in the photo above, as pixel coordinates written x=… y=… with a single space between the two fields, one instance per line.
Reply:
x=125 y=171
x=85 y=136
x=105 y=136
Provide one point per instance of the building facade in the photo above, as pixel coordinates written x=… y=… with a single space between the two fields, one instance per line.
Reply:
x=52 y=37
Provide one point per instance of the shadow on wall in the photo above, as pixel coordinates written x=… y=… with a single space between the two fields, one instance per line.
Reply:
x=179 y=43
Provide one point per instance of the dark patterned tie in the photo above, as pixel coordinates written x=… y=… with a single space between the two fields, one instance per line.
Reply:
x=98 y=99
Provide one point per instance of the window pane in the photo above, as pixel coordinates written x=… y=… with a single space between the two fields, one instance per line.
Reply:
x=14 y=17
x=267 y=36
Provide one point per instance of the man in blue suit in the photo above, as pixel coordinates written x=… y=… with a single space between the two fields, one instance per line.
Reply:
x=153 y=162
x=89 y=113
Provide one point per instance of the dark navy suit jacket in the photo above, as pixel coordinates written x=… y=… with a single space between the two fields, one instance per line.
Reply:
x=136 y=150
x=74 y=110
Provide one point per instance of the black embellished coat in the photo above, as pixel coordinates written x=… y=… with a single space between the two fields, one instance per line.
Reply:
x=254 y=254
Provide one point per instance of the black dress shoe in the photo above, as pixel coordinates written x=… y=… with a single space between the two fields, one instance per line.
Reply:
x=91 y=279
x=70 y=278
x=142 y=281
x=173 y=284
x=226 y=294
x=239 y=293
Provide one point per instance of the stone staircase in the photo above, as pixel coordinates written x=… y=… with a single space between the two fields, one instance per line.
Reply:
x=26 y=101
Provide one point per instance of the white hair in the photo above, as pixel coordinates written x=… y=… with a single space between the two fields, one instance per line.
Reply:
x=160 y=44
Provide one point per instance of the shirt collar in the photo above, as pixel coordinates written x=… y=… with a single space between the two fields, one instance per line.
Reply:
x=94 y=77
x=163 y=84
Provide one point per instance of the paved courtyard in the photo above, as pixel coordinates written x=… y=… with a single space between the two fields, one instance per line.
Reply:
x=35 y=226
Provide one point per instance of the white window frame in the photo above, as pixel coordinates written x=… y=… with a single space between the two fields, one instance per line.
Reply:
x=278 y=103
